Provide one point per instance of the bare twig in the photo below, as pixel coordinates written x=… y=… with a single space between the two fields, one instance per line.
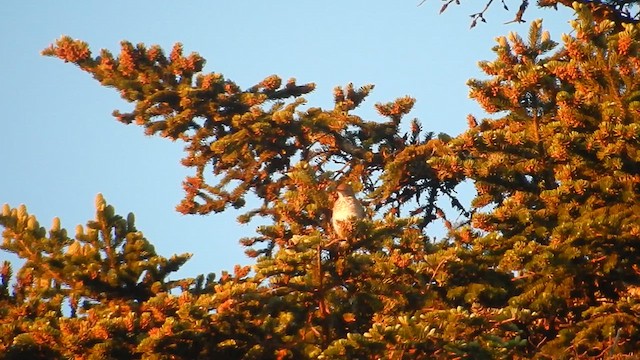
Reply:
x=520 y=13
x=433 y=276
x=480 y=15
x=615 y=342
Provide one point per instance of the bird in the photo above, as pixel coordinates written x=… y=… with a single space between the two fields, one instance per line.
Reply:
x=347 y=209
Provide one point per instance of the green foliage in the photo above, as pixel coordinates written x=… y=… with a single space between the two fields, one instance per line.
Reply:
x=544 y=264
x=557 y=182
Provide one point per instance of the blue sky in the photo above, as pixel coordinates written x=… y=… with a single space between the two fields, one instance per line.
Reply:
x=61 y=146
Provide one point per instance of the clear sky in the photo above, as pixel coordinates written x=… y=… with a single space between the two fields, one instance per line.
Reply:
x=60 y=146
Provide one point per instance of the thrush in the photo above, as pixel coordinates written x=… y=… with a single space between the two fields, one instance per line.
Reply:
x=346 y=211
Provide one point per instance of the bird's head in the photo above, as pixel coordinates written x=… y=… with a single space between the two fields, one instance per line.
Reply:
x=344 y=189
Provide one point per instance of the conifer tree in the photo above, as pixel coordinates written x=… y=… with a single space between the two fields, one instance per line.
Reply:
x=315 y=297
x=545 y=266
x=557 y=187
x=101 y=277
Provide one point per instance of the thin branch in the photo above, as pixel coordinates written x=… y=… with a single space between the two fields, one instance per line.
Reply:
x=520 y=13
x=433 y=276
x=480 y=15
